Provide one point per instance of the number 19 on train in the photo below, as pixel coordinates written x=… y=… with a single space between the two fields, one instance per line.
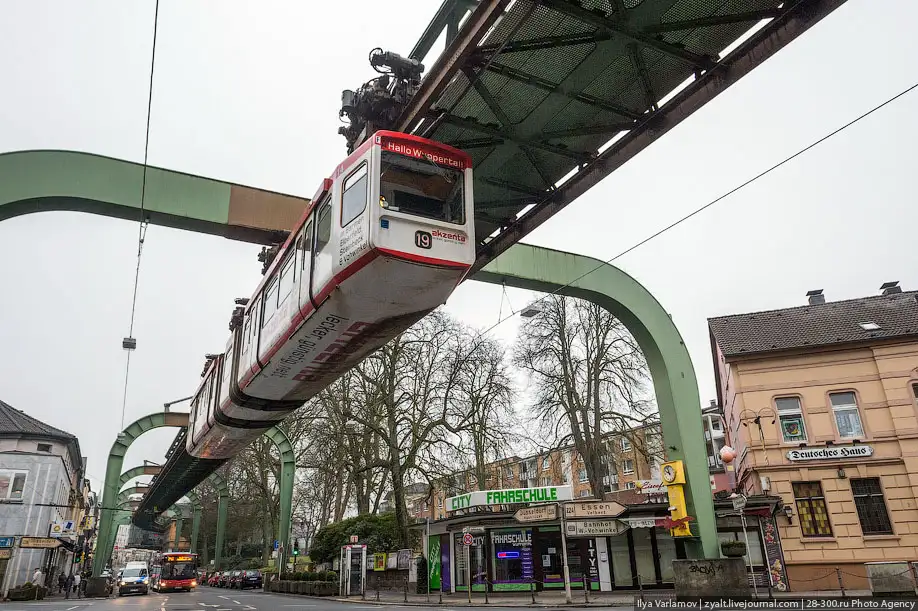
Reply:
x=422 y=239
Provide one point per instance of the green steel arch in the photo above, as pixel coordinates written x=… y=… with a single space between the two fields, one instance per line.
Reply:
x=46 y=180
x=288 y=472
x=112 y=486
x=542 y=269
x=139 y=471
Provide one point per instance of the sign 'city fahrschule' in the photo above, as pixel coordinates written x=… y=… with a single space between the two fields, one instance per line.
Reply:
x=830 y=453
x=547 y=494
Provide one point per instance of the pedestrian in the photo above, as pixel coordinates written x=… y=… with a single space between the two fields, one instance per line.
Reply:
x=61 y=582
x=68 y=586
x=37 y=577
x=76 y=584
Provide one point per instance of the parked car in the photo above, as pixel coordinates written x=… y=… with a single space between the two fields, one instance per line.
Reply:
x=250 y=579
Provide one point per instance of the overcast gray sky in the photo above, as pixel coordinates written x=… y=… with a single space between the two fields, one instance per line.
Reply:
x=249 y=92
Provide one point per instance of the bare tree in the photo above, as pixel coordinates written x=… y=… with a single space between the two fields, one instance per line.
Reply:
x=588 y=377
x=483 y=402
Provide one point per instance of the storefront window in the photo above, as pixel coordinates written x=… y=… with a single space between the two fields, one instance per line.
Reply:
x=643 y=555
x=666 y=548
x=512 y=559
x=476 y=554
x=621 y=561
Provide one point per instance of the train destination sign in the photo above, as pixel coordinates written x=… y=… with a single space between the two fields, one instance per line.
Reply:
x=609 y=509
x=478 y=498
x=830 y=453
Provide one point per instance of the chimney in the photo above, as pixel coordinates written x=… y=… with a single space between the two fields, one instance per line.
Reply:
x=816 y=297
x=890 y=288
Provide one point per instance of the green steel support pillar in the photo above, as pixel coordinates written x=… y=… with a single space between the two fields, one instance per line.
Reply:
x=546 y=270
x=221 y=529
x=179 y=522
x=288 y=471
x=113 y=474
x=195 y=529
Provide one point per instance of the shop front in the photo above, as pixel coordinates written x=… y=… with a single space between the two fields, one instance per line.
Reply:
x=507 y=557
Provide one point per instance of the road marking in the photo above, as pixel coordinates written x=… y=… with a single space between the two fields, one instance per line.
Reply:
x=226 y=597
x=298 y=606
x=72 y=608
x=249 y=607
x=236 y=602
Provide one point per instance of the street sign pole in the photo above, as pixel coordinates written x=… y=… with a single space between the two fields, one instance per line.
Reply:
x=567 y=575
x=468 y=569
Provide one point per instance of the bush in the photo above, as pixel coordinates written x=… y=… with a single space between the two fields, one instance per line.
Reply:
x=378 y=531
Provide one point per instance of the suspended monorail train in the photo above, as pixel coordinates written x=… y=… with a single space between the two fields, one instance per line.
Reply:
x=384 y=241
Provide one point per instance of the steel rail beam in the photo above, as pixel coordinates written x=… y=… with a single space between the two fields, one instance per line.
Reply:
x=451 y=61
x=743 y=60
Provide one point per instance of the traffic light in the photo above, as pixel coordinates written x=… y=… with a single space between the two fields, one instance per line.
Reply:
x=77 y=557
x=296 y=547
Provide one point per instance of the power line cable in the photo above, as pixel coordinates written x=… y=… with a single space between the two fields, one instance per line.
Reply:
x=144 y=222
x=715 y=200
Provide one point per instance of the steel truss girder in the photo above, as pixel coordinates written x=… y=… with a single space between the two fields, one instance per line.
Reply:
x=756 y=50
x=584 y=38
x=571 y=9
x=558 y=89
x=504 y=134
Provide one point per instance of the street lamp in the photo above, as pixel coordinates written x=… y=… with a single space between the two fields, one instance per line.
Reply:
x=530 y=311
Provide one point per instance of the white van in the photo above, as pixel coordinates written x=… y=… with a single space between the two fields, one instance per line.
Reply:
x=135 y=577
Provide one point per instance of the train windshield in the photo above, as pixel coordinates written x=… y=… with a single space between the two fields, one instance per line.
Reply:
x=422 y=188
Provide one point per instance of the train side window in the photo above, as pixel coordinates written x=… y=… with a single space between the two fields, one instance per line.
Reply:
x=354 y=199
x=245 y=334
x=306 y=244
x=323 y=227
x=270 y=301
x=288 y=271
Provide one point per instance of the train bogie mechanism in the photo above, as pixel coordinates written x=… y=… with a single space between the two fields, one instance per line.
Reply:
x=379 y=102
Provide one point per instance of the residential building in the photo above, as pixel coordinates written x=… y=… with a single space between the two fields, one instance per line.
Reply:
x=42 y=487
x=715 y=438
x=820 y=404
x=631 y=457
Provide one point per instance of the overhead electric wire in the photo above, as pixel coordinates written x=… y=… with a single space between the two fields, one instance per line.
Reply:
x=712 y=202
x=142 y=230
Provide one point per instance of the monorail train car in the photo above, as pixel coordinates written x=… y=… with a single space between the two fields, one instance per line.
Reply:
x=384 y=241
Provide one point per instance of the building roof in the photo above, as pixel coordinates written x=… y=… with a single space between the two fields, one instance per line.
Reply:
x=17 y=424
x=810 y=326
x=14 y=422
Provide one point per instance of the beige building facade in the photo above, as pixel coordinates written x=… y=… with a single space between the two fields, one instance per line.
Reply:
x=820 y=404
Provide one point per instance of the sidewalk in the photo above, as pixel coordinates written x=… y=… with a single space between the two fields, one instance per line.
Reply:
x=502 y=599
x=549 y=599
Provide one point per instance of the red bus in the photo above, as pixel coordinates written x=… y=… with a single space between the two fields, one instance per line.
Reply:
x=175 y=571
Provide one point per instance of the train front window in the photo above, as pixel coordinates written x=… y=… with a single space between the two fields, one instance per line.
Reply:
x=421 y=188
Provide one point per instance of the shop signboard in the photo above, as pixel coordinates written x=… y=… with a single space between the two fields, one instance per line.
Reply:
x=7 y=541
x=63 y=529
x=594 y=528
x=830 y=453
x=39 y=542
x=594 y=509
x=650 y=486
x=6 y=553
x=511 y=496
x=539 y=513
x=379 y=561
